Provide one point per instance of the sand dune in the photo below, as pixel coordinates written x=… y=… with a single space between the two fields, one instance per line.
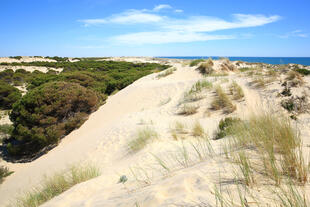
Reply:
x=103 y=139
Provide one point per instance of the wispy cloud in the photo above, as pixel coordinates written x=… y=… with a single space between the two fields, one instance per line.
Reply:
x=162 y=6
x=178 y=10
x=128 y=17
x=162 y=37
x=295 y=33
x=168 y=29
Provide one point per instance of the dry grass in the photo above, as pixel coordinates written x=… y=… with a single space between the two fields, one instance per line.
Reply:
x=206 y=67
x=295 y=78
x=194 y=94
x=259 y=82
x=166 y=73
x=4 y=172
x=276 y=143
x=196 y=62
x=236 y=91
x=187 y=109
x=222 y=101
x=197 y=130
x=141 y=138
x=56 y=185
x=178 y=130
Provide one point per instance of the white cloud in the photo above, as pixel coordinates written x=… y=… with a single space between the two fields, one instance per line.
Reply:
x=169 y=29
x=162 y=6
x=178 y=11
x=295 y=33
x=209 y=24
x=159 y=37
x=129 y=17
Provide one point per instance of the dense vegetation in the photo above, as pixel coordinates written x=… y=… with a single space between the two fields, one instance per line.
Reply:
x=8 y=95
x=57 y=103
x=47 y=113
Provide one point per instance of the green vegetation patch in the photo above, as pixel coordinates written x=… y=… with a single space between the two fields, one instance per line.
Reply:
x=196 y=62
x=8 y=95
x=57 y=184
x=225 y=126
x=48 y=113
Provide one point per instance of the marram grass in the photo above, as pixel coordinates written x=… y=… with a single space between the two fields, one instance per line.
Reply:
x=57 y=184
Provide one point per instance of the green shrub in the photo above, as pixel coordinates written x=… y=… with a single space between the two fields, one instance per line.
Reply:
x=48 y=113
x=8 y=95
x=196 y=62
x=224 y=127
x=5 y=131
x=303 y=71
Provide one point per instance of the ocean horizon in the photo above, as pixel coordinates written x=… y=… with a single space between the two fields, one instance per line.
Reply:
x=269 y=60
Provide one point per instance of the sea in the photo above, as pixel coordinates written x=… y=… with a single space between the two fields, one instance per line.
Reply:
x=269 y=60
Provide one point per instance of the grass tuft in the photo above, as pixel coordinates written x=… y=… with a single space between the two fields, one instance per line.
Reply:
x=187 y=110
x=196 y=62
x=222 y=101
x=236 y=91
x=57 y=184
x=142 y=138
x=166 y=73
x=277 y=144
x=197 y=130
x=4 y=172
x=206 y=67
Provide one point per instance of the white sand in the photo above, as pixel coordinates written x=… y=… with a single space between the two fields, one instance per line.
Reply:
x=103 y=140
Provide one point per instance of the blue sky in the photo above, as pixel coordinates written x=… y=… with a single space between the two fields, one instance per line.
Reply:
x=155 y=28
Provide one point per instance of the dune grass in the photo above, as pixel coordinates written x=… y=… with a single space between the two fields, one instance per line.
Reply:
x=197 y=130
x=205 y=68
x=178 y=130
x=196 y=62
x=4 y=172
x=57 y=184
x=187 y=109
x=225 y=126
x=222 y=101
x=141 y=138
x=194 y=94
x=166 y=73
x=276 y=143
x=236 y=91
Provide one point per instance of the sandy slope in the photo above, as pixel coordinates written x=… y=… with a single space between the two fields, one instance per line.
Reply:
x=149 y=102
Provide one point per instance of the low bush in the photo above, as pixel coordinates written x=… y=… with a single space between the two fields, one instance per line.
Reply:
x=206 y=68
x=196 y=62
x=5 y=131
x=303 y=71
x=48 y=113
x=8 y=95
